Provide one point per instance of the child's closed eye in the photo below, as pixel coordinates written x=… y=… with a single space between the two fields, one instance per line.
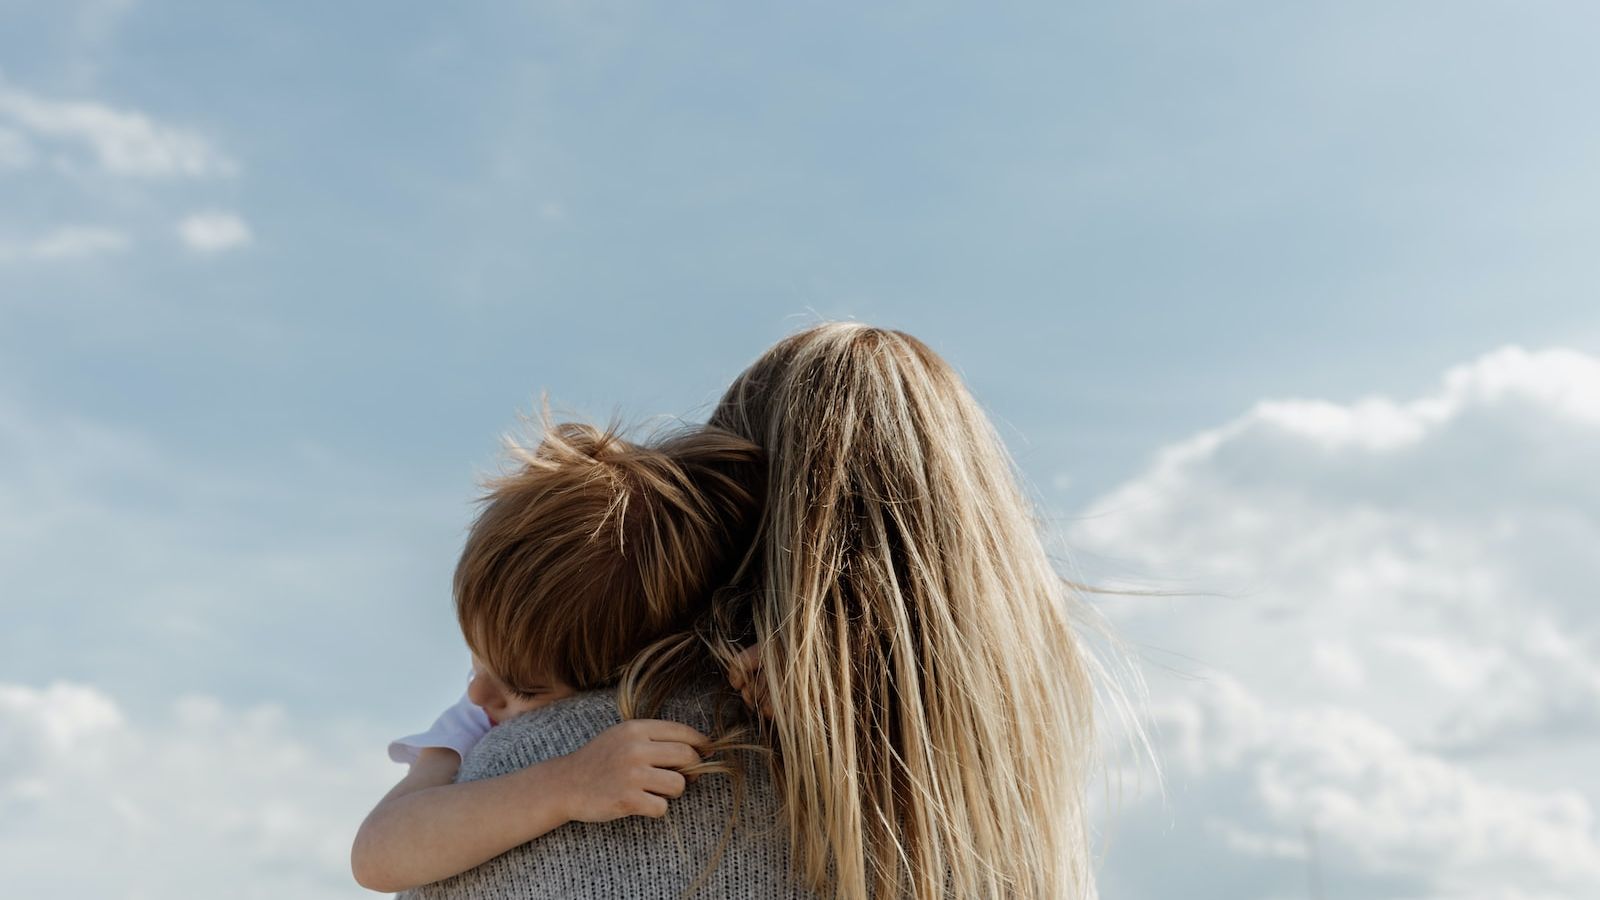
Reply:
x=542 y=693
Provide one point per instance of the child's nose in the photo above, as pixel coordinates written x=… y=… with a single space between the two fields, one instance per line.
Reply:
x=479 y=692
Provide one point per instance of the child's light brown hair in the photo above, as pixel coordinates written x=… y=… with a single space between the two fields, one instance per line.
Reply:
x=595 y=546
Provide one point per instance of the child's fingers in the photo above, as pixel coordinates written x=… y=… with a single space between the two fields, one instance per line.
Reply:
x=668 y=732
x=652 y=805
x=668 y=755
x=755 y=697
x=748 y=660
x=665 y=783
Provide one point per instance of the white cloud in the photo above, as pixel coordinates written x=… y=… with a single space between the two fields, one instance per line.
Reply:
x=40 y=726
x=119 y=141
x=76 y=137
x=213 y=232
x=67 y=243
x=202 y=801
x=1453 y=664
x=1338 y=663
x=1263 y=778
x=1401 y=595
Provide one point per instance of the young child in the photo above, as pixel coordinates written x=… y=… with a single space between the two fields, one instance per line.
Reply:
x=592 y=549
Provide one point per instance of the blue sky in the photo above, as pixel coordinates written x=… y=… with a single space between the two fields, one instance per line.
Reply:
x=274 y=278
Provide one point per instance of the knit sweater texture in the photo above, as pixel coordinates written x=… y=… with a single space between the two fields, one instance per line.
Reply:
x=636 y=857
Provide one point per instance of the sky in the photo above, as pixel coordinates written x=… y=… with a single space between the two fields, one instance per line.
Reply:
x=1286 y=310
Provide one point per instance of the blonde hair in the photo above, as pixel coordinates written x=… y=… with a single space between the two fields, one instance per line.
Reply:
x=594 y=546
x=931 y=703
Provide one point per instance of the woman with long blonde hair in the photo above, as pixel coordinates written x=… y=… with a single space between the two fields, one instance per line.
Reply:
x=928 y=704
x=927 y=699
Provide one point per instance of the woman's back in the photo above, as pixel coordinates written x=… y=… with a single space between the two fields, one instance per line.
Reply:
x=632 y=857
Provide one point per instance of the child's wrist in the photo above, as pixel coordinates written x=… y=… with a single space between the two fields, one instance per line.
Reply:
x=549 y=787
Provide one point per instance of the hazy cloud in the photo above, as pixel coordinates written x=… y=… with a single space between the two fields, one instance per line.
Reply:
x=213 y=232
x=119 y=141
x=15 y=151
x=219 y=564
x=70 y=242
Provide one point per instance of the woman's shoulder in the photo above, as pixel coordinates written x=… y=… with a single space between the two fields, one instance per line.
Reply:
x=566 y=725
x=724 y=837
x=544 y=733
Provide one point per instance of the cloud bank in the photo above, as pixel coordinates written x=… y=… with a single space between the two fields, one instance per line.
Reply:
x=1399 y=665
x=205 y=801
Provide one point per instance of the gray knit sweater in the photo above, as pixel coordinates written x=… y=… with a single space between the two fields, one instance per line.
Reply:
x=634 y=857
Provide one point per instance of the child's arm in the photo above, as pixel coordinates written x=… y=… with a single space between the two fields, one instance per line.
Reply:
x=427 y=828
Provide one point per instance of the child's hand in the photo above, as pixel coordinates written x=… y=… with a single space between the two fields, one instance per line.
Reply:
x=745 y=676
x=629 y=770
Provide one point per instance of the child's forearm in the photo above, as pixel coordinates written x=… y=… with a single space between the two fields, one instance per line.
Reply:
x=433 y=831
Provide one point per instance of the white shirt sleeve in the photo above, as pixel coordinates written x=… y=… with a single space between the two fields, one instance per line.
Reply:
x=458 y=728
